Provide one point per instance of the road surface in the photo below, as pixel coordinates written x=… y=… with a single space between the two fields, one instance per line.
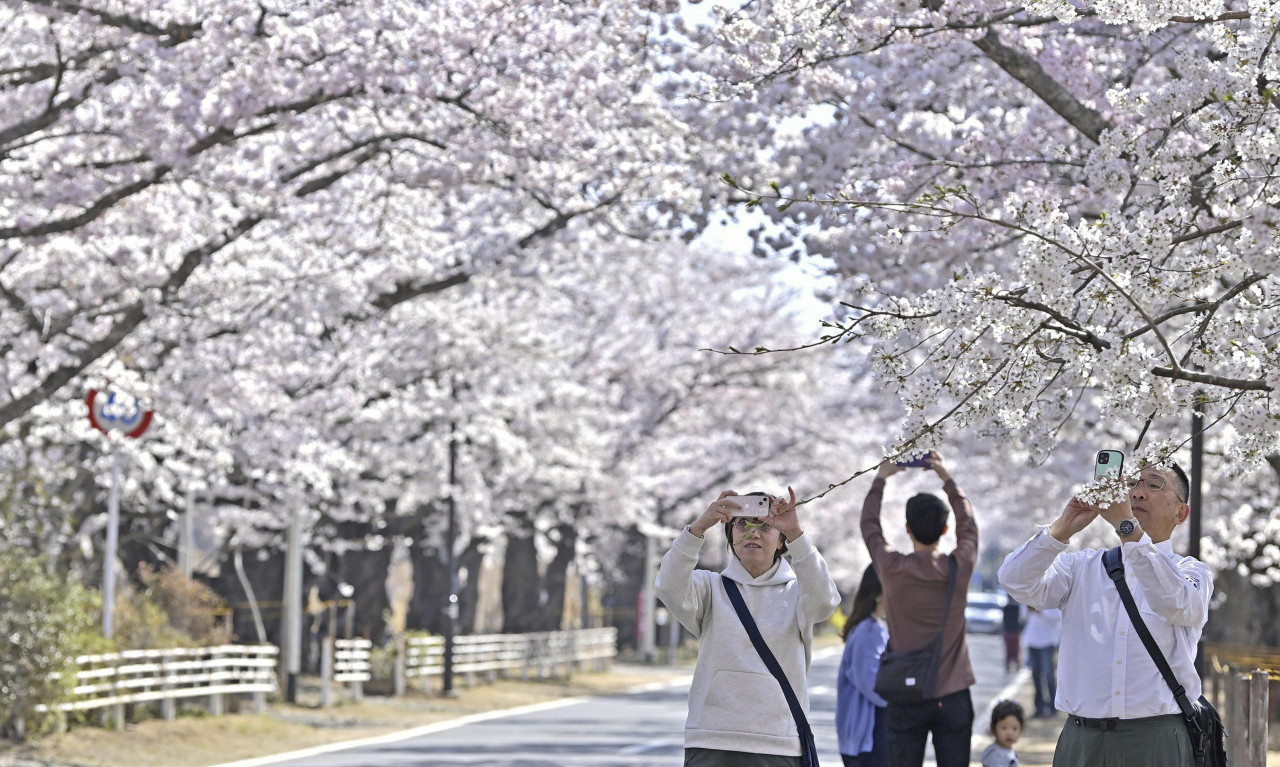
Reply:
x=638 y=729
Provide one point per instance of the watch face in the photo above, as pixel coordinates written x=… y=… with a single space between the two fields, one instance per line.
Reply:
x=1126 y=527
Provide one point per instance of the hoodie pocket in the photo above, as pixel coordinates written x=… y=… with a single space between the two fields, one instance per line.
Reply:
x=741 y=701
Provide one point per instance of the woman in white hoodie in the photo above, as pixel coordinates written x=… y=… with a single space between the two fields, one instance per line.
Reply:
x=737 y=712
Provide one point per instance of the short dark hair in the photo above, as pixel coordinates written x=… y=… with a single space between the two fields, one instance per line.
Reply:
x=1005 y=708
x=1182 y=485
x=927 y=517
x=728 y=533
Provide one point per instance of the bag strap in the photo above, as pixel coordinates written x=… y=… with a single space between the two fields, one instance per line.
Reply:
x=766 y=655
x=1114 y=564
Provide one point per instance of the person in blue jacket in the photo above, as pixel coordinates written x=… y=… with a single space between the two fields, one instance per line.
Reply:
x=860 y=713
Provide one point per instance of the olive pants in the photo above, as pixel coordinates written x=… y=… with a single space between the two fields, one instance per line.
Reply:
x=1155 y=741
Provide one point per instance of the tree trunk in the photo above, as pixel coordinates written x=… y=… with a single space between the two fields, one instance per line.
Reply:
x=521 y=592
x=470 y=562
x=430 y=589
x=366 y=572
x=565 y=538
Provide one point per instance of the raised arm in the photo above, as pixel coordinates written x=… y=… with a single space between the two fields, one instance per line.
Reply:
x=685 y=596
x=819 y=596
x=1180 y=592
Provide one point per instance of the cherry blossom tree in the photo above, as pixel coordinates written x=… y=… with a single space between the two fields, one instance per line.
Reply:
x=1054 y=222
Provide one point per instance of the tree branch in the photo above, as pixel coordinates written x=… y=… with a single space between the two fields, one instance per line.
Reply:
x=1221 y=382
x=1026 y=70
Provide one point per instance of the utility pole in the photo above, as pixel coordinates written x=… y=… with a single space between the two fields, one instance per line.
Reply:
x=1194 y=498
x=293 y=606
x=186 y=540
x=109 y=556
x=451 y=609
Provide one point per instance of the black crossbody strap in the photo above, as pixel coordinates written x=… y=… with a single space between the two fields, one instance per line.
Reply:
x=1114 y=564
x=766 y=655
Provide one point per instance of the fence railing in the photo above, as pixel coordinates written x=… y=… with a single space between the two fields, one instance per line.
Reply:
x=540 y=654
x=112 y=680
x=344 y=661
x=1240 y=681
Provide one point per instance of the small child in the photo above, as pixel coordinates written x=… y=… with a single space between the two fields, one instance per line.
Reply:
x=1006 y=726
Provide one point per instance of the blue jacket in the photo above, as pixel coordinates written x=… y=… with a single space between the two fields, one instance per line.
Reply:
x=856 y=700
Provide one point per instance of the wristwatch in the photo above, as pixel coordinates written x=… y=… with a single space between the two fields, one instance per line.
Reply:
x=1127 y=527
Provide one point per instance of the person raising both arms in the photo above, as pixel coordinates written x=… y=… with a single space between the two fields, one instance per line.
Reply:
x=738 y=714
x=1125 y=714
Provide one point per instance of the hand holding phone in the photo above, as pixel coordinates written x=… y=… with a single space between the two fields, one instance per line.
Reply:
x=752 y=505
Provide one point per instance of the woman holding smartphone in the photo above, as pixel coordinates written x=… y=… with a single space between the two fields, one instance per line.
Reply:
x=738 y=714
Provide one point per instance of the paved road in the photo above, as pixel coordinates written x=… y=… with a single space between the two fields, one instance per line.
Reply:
x=633 y=730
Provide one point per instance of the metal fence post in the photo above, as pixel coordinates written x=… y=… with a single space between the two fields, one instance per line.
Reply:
x=326 y=673
x=399 y=667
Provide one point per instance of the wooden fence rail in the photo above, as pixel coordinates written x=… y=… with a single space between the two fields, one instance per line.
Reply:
x=539 y=654
x=1240 y=681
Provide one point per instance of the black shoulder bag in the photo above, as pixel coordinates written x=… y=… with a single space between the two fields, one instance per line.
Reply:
x=1204 y=725
x=912 y=676
x=808 y=748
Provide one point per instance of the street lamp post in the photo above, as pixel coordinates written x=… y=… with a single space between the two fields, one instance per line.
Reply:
x=451 y=609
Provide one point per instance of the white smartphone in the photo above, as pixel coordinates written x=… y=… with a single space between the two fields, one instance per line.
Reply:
x=1108 y=462
x=752 y=505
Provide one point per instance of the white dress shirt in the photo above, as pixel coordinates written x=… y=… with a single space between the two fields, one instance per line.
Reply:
x=1103 y=668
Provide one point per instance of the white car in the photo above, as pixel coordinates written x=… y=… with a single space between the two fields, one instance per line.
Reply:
x=984 y=613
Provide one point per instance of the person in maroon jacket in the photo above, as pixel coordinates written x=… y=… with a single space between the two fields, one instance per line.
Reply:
x=915 y=590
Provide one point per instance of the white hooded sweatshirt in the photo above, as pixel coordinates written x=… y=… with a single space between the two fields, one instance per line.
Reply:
x=735 y=704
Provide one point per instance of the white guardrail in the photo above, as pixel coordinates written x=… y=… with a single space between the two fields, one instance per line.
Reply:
x=537 y=654
x=142 y=676
x=113 y=680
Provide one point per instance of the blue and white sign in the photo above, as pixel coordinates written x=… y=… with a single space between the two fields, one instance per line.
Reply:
x=114 y=411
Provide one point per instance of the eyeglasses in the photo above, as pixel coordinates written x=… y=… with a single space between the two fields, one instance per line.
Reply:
x=743 y=524
x=1154 y=484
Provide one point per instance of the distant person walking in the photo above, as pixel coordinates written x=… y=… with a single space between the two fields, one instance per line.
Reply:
x=738 y=713
x=1012 y=634
x=915 y=590
x=1042 y=634
x=861 y=723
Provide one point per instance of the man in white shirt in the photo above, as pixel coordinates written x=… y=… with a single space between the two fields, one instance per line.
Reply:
x=1126 y=715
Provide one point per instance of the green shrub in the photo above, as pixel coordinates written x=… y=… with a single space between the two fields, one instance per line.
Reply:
x=44 y=623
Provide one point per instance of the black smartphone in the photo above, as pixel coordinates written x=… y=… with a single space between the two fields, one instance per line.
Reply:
x=914 y=463
x=1108 y=462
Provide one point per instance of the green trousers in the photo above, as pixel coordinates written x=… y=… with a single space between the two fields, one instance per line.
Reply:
x=1155 y=741
x=708 y=757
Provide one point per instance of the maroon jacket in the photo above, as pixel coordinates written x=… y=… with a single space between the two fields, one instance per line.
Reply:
x=915 y=587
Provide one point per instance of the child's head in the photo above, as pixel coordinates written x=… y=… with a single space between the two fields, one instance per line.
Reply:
x=1006 y=722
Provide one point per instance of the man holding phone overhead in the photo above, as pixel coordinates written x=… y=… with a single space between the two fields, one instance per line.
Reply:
x=924 y=610
x=1127 y=715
